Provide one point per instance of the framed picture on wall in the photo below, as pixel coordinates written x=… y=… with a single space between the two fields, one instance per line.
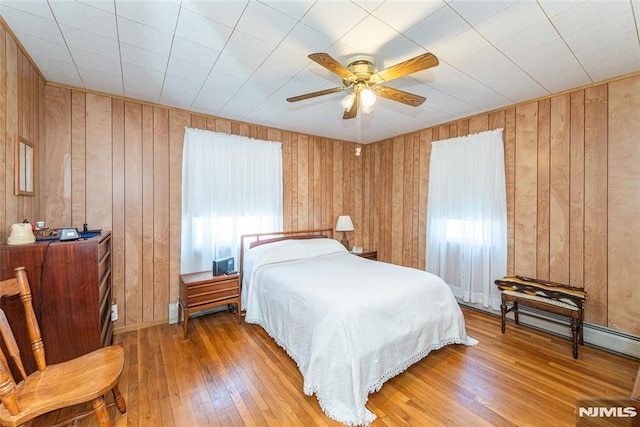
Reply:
x=24 y=167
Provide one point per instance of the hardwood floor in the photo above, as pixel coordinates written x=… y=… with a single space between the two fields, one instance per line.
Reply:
x=227 y=374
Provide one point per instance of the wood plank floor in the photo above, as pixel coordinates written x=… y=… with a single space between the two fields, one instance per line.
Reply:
x=227 y=374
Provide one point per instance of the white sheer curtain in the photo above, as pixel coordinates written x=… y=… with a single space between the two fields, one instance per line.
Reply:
x=467 y=216
x=231 y=185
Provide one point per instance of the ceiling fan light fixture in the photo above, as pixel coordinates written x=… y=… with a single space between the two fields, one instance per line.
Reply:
x=366 y=109
x=347 y=101
x=367 y=98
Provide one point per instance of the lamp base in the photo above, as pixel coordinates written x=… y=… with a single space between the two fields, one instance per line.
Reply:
x=345 y=241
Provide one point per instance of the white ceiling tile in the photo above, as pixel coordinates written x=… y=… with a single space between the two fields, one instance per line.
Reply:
x=220 y=80
x=213 y=98
x=36 y=26
x=38 y=8
x=359 y=37
x=143 y=36
x=526 y=40
x=303 y=40
x=593 y=14
x=106 y=5
x=475 y=12
x=243 y=45
x=238 y=107
x=554 y=7
x=85 y=17
x=143 y=58
x=467 y=50
x=142 y=83
x=242 y=68
x=90 y=42
x=102 y=80
x=512 y=20
x=286 y=62
x=395 y=51
x=343 y=16
x=186 y=70
x=64 y=72
x=256 y=92
x=402 y=14
x=226 y=12
x=269 y=78
x=293 y=8
x=179 y=92
x=160 y=14
x=89 y=60
x=437 y=28
x=39 y=48
x=210 y=33
x=609 y=56
x=265 y=23
x=370 y=5
x=188 y=51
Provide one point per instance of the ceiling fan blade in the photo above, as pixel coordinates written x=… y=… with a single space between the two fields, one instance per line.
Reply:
x=314 y=94
x=332 y=65
x=399 y=95
x=413 y=65
x=353 y=111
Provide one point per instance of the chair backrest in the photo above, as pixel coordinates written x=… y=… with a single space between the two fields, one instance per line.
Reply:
x=18 y=286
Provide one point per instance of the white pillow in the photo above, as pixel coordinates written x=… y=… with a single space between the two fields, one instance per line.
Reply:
x=319 y=247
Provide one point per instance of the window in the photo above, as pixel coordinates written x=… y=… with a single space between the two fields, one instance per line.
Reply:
x=231 y=186
x=467 y=216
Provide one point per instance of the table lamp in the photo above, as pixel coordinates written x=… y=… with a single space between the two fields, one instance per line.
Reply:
x=344 y=224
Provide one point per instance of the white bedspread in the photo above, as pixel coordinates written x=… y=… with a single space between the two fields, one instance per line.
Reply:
x=349 y=323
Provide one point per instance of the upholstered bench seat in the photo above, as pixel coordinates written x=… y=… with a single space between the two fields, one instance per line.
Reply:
x=563 y=300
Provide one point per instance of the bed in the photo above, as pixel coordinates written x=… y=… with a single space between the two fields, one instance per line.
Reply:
x=349 y=323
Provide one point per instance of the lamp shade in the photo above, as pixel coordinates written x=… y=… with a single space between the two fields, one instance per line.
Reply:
x=344 y=223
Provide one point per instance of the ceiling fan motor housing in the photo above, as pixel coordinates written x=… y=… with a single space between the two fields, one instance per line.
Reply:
x=362 y=66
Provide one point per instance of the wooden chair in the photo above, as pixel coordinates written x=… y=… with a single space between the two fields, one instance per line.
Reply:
x=83 y=379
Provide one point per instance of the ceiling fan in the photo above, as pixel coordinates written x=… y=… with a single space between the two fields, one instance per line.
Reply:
x=365 y=81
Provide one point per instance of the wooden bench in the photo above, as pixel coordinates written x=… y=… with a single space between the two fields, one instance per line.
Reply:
x=562 y=300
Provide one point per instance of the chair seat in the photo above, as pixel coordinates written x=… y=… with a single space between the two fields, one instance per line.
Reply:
x=67 y=384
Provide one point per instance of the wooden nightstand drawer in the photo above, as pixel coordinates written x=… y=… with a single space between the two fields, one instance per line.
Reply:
x=211 y=292
x=202 y=290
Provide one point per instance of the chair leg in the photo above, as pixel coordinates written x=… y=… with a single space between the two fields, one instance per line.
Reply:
x=117 y=396
x=100 y=409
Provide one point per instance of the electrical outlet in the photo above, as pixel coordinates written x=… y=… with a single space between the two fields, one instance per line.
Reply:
x=114 y=312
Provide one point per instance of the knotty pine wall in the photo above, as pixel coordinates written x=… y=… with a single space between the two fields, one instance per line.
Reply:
x=573 y=193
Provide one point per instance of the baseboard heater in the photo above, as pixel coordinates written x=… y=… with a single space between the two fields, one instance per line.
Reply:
x=598 y=336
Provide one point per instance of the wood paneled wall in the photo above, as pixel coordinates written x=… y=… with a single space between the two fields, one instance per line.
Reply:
x=571 y=160
x=117 y=164
x=573 y=194
x=21 y=113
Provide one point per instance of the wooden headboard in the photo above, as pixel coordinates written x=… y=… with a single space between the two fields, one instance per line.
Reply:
x=261 y=238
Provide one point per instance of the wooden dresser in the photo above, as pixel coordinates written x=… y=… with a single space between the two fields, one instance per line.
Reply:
x=71 y=288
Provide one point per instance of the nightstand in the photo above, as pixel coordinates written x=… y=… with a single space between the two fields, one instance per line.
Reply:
x=369 y=254
x=199 y=291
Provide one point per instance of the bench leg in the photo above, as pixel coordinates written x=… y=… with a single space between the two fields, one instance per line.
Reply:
x=503 y=309
x=581 y=327
x=516 y=319
x=575 y=331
